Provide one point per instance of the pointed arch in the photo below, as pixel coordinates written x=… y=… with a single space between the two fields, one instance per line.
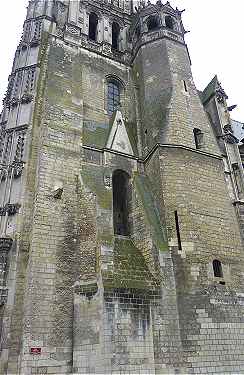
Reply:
x=93 y=26
x=170 y=22
x=153 y=22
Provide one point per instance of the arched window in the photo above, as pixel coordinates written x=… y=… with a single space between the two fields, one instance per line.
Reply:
x=217 y=268
x=169 y=22
x=115 y=35
x=93 y=23
x=113 y=98
x=152 y=23
x=120 y=202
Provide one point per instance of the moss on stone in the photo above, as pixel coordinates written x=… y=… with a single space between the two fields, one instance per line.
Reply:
x=94 y=133
x=158 y=231
x=93 y=178
x=131 y=131
x=130 y=268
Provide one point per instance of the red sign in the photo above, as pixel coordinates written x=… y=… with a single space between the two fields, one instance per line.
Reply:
x=35 y=351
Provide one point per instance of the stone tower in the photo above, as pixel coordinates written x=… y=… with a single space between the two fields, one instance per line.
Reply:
x=120 y=245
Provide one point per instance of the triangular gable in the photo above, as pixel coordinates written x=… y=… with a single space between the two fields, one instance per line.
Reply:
x=118 y=139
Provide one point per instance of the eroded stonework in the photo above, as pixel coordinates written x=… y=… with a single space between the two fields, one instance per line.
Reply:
x=121 y=195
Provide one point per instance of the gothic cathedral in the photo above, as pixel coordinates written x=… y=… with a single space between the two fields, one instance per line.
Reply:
x=121 y=199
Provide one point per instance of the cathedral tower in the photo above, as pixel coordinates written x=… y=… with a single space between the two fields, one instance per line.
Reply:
x=120 y=244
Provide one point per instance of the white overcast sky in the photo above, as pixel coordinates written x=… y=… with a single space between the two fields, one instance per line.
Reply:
x=215 y=43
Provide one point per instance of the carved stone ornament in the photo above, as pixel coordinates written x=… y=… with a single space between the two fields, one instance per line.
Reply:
x=26 y=98
x=34 y=42
x=12 y=209
x=107 y=48
x=230 y=138
x=18 y=169
x=9 y=208
x=14 y=102
x=3 y=296
x=24 y=45
x=228 y=129
x=221 y=95
x=5 y=244
x=75 y=31
x=108 y=181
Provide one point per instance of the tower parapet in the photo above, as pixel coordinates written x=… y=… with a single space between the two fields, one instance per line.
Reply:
x=155 y=21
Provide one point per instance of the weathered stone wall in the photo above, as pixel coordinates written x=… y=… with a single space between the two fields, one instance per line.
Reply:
x=71 y=231
x=93 y=301
x=169 y=113
x=210 y=314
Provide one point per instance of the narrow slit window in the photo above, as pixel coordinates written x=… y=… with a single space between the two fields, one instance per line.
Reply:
x=93 y=24
x=115 y=36
x=120 y=203
x=185 y=86
x=177 y=226
x=198 y=137
x=217 y=268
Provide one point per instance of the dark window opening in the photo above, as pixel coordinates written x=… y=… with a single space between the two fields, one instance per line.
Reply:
x=115 y=35
x=217 y=268
x=152 y=23
x=169 y=22
x=93 y=23
x=198 y=137
x=177 y=225
x=222 y=282
x=113 y=97
x=146 y=131
x=120 y=203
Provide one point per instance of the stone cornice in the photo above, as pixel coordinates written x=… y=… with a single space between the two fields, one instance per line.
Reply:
x=152 y=151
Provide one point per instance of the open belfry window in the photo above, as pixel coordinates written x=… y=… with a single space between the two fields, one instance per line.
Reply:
x=169 y=22
x=120 y=203
x=113 y=96
x=217 y=268
x=152 y=23
x=115 y=36
x=93 y=25
x=198 y=137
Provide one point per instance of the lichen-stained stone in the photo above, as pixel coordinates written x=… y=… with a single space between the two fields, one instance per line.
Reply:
x=115 y=211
